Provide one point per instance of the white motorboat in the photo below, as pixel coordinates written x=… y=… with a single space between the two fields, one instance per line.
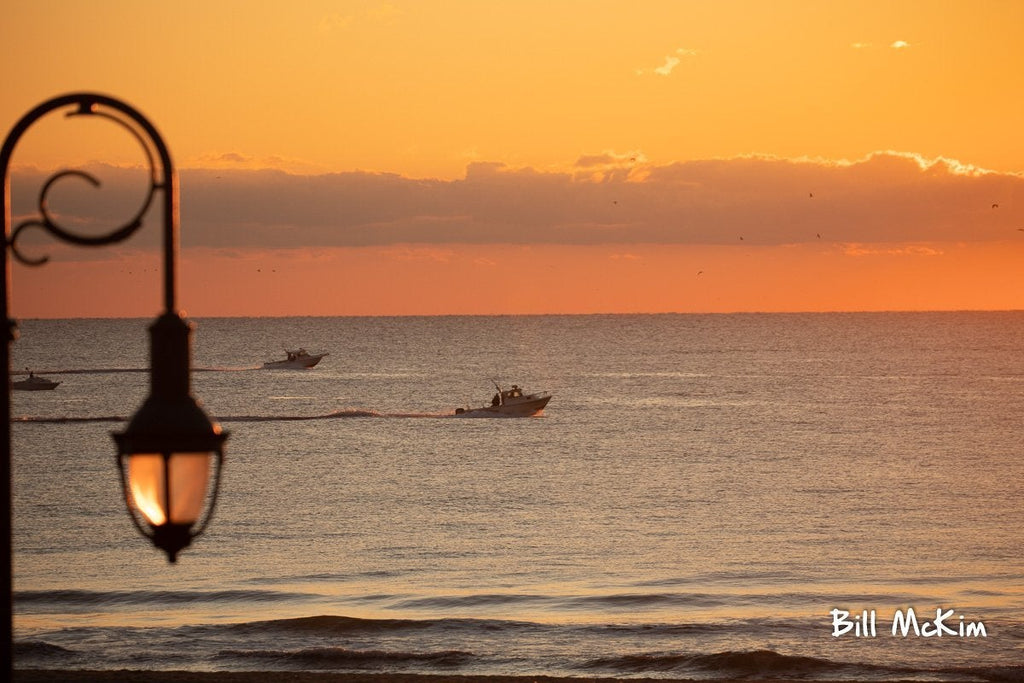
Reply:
x=33 y=383
x=298 y=359
x=510 y=403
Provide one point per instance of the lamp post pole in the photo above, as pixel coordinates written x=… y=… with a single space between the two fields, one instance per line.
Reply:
x=170 y=432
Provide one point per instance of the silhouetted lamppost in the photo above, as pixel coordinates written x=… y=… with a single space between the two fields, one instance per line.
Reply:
x=170 y=454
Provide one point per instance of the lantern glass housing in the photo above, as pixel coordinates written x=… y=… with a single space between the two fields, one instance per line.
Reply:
x=171 y=493
x=169 y=489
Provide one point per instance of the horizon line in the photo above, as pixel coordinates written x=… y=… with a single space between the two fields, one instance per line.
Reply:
x=879 y=311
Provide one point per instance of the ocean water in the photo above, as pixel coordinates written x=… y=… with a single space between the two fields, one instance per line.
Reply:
x=699 y=496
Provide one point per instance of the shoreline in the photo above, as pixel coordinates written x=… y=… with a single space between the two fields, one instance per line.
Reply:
x=139 y=676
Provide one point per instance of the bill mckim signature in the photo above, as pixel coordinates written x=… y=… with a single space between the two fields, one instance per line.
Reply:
x=906 y=624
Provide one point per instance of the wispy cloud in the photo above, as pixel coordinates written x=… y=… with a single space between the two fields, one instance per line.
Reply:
x=611 y=165
x=239 y=160
x=903 y=250
x=405 y=252
x=375 y=13
x=666 y=68
x=671 y=62
x=334 y=22
x=610 y=158
x=895 y=45
x=384 y=11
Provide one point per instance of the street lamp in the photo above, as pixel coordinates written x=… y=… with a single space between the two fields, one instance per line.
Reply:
x=170 y=454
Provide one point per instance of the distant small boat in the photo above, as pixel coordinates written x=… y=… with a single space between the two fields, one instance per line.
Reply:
x=33 y=383
x=299 y=359
x=509 y=403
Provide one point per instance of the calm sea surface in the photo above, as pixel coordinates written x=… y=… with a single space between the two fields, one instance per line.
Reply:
x=700 y=494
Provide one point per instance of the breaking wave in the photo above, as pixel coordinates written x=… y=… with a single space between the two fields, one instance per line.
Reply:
x=331 y=658
x=465 y=645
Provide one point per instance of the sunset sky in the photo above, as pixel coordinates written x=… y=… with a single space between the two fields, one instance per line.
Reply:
x=450 y=157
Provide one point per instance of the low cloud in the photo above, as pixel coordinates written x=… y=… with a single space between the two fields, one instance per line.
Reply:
x=608 y=198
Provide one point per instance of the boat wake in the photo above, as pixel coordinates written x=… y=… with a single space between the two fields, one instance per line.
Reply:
x=333 y=415
x=337 y=414
x=111 y=371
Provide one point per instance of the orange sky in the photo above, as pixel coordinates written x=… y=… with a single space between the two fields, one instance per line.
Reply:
x=429 y=157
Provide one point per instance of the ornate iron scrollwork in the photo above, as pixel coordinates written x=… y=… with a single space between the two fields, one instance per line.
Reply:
x=162 y=178
x=49 y=223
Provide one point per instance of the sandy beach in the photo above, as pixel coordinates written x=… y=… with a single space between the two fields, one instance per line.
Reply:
x=61 y=676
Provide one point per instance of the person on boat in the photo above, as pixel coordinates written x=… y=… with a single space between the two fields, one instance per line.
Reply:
x=496 y=400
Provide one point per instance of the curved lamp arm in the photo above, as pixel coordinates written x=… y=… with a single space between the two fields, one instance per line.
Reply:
x=163 y=178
